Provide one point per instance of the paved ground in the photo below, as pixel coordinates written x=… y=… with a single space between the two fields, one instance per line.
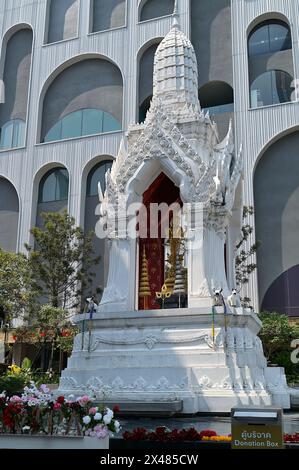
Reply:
x=220 y=424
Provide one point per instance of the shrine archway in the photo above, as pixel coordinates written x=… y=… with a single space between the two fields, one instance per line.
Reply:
x=156 y=266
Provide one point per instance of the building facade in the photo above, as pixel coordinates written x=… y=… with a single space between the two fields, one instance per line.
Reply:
x=76 y=73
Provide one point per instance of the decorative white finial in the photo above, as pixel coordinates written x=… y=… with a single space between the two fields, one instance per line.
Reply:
x=175 y=14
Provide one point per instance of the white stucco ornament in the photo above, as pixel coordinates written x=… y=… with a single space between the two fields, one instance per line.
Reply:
x=207 y=362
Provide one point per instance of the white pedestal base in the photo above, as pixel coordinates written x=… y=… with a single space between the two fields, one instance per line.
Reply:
x=168 y=355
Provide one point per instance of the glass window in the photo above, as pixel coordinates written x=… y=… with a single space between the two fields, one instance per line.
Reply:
x=13 y=134
x=54 y=186
x=272 y=87
x=54 y=133
x=92 y=122
x=110 y=124
x=97 y=175
x=269 y=37
x=72 y=125
x=82 y=123
x=221 y=109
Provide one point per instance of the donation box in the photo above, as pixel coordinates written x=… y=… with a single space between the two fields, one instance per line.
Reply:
x=257 y=428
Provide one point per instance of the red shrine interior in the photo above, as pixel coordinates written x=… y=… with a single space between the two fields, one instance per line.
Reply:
x=162 y=190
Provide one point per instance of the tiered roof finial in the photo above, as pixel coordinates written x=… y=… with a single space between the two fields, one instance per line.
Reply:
x=175 y=14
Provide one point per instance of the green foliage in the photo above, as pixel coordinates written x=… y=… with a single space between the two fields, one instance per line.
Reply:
x=50 y=325
x=26 y=364
x=277 y=334
x=17 y=293
x=40 y=378
x=62 y=260
x=14 y=380
x=243 y=265
x=13 y=384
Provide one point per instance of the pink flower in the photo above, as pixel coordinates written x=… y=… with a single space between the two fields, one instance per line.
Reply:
x=83 y=400
x=101 y=431
x=15 y=399
x=57 y=406
x=93 y=410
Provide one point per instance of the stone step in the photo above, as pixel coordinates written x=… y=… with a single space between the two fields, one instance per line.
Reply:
x=147 y=408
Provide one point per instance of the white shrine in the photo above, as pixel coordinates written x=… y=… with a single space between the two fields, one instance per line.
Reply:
x=207 y=362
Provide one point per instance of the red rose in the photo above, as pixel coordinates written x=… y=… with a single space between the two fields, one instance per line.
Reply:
x=116 y=409
x=42 y=334
x=60 y=400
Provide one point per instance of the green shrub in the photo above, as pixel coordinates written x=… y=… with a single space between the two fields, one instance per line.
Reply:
x=13 y=384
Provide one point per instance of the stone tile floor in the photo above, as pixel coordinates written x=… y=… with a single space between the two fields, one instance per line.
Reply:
x=219 y=424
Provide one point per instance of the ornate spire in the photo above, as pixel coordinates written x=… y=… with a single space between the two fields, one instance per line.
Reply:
x=175 y=71
x=175 y=15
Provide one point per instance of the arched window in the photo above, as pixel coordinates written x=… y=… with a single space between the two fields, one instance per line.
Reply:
x=217 y=98
x=151 y=9
x=54 y=186
x=12 y=134
x=272 y=87
x=107 y=14
x=17 y=50
x=97 y=175
x=276 y=201
x=86 y=98
x=9 y=216
x=270 y=59
x=82 y=123
x=145 y=86
x=63 y=17
x=269 y=37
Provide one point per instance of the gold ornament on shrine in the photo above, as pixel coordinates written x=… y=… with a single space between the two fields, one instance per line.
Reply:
x=164 y=294
x=144 y=285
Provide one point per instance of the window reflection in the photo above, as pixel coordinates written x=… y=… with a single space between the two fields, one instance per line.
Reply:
x=83 y=123
x=97 y=175
x=54 y=186
x=270 y=64
x=13 y=134
x=271 y=87
x=269 y=37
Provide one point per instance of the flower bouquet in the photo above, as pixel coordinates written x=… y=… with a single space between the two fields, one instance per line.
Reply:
x=37 y=412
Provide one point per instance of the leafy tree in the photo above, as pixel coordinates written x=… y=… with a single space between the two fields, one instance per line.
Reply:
x=277 y=334
x=243 y=265
x=17 y=293
x=48 y=326
x=61 y=260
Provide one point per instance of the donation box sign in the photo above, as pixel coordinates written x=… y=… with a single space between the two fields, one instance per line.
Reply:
x=257 y=428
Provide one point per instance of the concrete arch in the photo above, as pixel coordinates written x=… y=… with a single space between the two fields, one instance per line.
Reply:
x=273 y=140
x=270 y=68
x=273 y=15
x=40 y=173
x=9 y=215
x=145 y=64
x=150 y=9
x=62 y=20
x=87 y=168
x=276 y=195
x=90 y=211
x=107 y=14
x=211 y=36
x=217 y=97
x=15 y=79
x=64 y=68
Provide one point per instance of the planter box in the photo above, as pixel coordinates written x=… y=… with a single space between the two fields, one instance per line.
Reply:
x=23 y=441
